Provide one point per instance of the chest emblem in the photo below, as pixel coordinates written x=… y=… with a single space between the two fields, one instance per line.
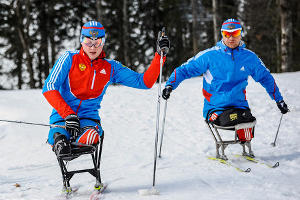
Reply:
x=242 y=69
x=82 y=67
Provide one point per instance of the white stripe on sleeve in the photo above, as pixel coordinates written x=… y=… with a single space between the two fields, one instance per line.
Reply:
x=56 y=71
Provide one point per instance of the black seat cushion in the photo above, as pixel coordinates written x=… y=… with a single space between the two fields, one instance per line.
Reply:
x=78 y=149
x=234 y=116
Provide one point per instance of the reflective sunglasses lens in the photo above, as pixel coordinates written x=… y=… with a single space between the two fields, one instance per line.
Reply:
x=87 y=41
x=226 y=34
x=90 y=42
x=236 y=33
x=97 y=42
x=233 y=34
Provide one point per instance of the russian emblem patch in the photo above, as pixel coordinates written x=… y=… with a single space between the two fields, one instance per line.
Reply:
x=94 y=33
x=231 y=26
x=82 y=67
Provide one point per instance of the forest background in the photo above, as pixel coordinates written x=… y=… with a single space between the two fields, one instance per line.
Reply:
x=35 y=33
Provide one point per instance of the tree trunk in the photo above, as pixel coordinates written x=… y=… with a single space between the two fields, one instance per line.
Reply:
x=98 y=11
x=24 y=38
x=286 y=36
x=40 y=68
x=215 y=20
x=44 y=45
x=51 y=36
x=125 y=33
x=19 y=69
x=278 y=48
x=195 y=25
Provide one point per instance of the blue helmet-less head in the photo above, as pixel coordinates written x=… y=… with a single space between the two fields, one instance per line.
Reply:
x=92 y=29
x=231 y=25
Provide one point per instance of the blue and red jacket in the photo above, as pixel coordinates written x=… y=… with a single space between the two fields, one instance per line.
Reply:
x=76 y=84
x=225 y=73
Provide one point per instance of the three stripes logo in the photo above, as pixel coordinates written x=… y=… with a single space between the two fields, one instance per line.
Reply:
x=90 y=136
x=248 y=133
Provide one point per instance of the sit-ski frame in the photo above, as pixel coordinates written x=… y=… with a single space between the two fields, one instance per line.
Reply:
x=220 y=143
x=77 y=150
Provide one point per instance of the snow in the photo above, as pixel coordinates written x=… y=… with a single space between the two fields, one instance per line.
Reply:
x=183 y=172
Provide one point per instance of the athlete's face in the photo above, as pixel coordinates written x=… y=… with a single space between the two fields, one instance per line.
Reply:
x=92 y=51
x=232 y=42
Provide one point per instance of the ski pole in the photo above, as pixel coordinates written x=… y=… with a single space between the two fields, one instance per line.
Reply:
x=153 y=191
x=163 y=129
x=31 y=123
x=158 y=110
x=274 y=143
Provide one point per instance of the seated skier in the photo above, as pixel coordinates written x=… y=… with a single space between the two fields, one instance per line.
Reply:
x=225 y=69
x=78 y=81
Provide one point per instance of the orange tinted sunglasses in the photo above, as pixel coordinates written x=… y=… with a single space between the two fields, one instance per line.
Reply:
x=233 y=34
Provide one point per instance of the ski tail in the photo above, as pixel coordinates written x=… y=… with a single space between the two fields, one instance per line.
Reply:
x=258 y=161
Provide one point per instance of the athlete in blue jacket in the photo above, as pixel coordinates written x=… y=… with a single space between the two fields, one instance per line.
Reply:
x=225 y=68
x=78 y=81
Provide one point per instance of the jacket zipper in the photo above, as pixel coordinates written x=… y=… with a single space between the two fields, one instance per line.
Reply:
x=92 y=87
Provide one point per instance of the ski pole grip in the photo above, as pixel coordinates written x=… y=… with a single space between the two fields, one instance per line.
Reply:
x=163 y=30
x=161 y=33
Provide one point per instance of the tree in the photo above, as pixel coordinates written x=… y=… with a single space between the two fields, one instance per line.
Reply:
x=215 y=20
x=22 y=27
x=35 y=33
x=286 y=35
x=260 y=35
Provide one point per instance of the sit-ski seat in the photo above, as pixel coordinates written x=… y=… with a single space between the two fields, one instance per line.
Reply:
x=221 y=143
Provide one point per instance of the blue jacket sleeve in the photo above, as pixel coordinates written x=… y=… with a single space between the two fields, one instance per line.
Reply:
x=125 y=76
x=195 y=66
x=58 y=73
x=261 y=74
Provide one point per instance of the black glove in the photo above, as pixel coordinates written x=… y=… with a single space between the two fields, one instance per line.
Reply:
x=166 y=92
x=163 y=44
x=282 y=107
x=72 y=124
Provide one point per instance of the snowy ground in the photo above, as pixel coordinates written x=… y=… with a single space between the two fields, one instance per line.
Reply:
x=183 y=173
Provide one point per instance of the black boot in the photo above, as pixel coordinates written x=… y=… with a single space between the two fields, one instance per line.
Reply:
x=61 y=145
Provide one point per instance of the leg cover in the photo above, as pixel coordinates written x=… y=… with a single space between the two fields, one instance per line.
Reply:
x=89 y=136
x=244 y=131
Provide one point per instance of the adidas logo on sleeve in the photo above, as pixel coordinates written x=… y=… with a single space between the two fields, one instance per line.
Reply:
x=103 y=71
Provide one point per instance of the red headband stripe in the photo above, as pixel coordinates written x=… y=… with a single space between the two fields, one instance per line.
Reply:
x=84 y=27
x=231 y=23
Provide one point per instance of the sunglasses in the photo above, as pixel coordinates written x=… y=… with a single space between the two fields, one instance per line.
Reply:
x=97 y=42
x=233 y=34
